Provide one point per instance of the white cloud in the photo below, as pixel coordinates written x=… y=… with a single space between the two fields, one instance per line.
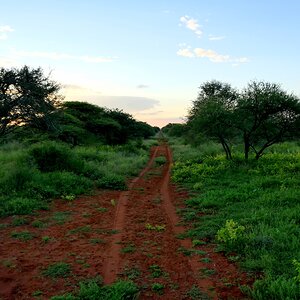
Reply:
x=212 y=55
x=4 y=30
x=191 y=24
x=186 y=52
x=216 y=38
x=64 y=56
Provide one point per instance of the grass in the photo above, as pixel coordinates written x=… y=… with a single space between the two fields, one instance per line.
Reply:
x=22 y=235
x=31 y=176
x=94 y=289
x=58 y=270
x=250 y=208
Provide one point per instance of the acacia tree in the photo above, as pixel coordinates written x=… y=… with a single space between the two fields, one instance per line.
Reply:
x=266 y=115
x=27 y=97
x=212 y=113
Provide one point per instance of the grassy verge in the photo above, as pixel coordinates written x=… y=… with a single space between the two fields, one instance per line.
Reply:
x=32 y=175
x=93 y=289
x=251 y=210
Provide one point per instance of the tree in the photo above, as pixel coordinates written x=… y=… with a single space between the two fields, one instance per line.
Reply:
x=212 y=113
x=27 y=97
x=266 y=115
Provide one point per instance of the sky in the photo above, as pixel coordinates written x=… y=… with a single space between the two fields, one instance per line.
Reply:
x=150 y=57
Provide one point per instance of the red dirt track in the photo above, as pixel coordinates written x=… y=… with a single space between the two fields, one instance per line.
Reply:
x=116 y=235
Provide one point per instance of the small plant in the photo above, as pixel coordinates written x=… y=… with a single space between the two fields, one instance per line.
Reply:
x=81 y=229
x=296 y=264
x=97 y=241
x=37 y=293
x=128 y=249
x=205 y=260
x=38 y=224
x=22 y=235
x=46 y=239
x=231 y=232
x=132 y=273
x=158 y=228
x=18 y=221
x=158 y=288
x=102 y=209
x=198 y=243
x=61 y=217
x=160 y=160
x=208 y=272
x=69 y=197
x=195 y=293
x=156 y=271
x=58 y=270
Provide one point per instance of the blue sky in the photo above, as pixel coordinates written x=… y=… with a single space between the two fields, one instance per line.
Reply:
x=149 y=57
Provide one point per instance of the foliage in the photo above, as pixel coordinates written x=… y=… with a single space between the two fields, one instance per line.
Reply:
x=92 y=289
x=58 y=270
x=262 y=199
x=28 y=97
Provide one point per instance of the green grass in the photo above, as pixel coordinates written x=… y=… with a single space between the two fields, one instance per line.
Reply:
x=58 y=270
x=261 y=198
x=22 y=235
x=31 y=176
x=93 y=289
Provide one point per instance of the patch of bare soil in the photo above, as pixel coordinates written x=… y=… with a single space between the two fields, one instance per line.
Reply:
x=116 y=235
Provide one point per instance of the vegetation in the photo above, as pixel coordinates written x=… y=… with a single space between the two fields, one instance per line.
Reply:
x=249 y=208
x=93 y=289
x=259 y=116
x=50 y=149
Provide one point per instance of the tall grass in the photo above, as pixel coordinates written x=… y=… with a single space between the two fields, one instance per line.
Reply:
x=260 y=196
x=30 y=176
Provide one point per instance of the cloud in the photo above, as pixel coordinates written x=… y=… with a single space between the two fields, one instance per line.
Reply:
x=191 y=24
x=130 y=104
x=212 y=55
x=63 y=56
x=4 y=30
x=142 y=86
x=186 y=52
x=216 y=38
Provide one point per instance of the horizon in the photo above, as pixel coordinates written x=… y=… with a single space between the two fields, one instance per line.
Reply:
x=149 y=59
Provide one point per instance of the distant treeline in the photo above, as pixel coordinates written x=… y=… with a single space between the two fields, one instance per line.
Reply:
x=31 y=107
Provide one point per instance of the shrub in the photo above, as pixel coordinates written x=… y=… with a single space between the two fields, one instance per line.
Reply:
x=112 y=181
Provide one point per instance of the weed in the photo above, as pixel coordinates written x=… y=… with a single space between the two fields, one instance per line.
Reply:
x=205 y=260
x=38 y=224
x=207 y=271
x=196 y=243
x=158 y=288
x=80 y=230
x=130 y=248
x=196 y=294
x=22 y=235
x=132 y=273
x=37 y=293
x=8 y=263
x=46 y=239
x=18 y=221
x=160 y=160
x=157 y=228
x=58 y=270
x=61 y=217
x=102 y=209
x=97 y=241
x=155 y=271
x=69 y=197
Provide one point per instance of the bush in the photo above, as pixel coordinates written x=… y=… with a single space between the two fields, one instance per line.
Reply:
x=51 y=156
x=112 y=181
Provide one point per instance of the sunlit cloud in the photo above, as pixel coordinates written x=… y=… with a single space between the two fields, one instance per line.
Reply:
x=186 y=52
x=191 y=24
x=216 y=38
x=4 y=30
x=212 y=55
x=63 y=56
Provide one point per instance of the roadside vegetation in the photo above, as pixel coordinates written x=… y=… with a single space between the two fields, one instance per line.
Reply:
x=53 y=149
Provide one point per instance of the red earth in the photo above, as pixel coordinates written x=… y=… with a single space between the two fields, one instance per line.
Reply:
x=132 y=234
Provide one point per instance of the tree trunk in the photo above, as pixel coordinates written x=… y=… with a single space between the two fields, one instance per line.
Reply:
x=246 y=146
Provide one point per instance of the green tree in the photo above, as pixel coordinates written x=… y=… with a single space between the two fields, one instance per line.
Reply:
x=266 y=114
x=212 y=113
x=27 y=97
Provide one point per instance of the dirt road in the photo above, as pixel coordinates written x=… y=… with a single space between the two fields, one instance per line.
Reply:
x=135 y=234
